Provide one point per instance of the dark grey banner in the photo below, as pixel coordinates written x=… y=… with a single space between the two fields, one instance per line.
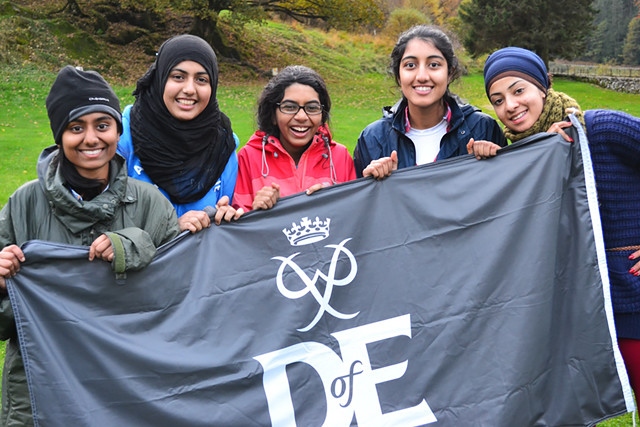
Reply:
x=462 y=293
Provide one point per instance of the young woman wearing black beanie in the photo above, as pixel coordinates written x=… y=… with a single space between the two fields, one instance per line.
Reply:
x=82 y=197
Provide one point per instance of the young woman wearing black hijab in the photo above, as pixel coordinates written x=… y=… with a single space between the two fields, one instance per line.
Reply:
x=176 y=137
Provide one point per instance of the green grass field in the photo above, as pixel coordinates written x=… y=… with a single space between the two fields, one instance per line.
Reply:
x=24 y=127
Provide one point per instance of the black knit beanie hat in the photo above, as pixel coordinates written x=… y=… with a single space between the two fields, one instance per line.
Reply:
x=76 y=92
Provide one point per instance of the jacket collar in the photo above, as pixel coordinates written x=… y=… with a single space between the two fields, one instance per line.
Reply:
x=456 y=113
x=81 y=215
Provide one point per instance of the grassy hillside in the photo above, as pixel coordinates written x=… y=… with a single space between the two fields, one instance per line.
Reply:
x=354 y=67
x=42 y=35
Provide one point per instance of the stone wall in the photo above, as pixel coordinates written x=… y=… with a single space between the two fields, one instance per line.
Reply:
x=620 y=79
x=619 y=84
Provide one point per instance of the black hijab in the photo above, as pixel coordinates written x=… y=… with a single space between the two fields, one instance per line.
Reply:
x=184 y=158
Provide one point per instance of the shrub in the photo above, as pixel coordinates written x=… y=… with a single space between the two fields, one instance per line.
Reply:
x=402 y=19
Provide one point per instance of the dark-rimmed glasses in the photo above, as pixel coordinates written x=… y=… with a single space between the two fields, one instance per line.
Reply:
x=311 y=108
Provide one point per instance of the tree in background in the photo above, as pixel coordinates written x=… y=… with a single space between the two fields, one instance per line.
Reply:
x=339 y=14
x=430 y=8
x=631 y=51
x=611 y=22
x=551 y=28
x=439 y=12
x=450 y=9
x=402 y=19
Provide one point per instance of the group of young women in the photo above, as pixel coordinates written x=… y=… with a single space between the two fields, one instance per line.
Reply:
x=175 y=137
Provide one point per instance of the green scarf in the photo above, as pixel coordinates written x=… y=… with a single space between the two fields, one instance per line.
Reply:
x=555 y=109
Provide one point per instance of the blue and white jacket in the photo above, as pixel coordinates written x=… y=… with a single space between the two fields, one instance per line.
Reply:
x=223 y=187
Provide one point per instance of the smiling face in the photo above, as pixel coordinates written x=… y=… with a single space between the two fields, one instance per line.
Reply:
x=517 y=102
x=423 y=76
x=90 y=142
x=297 y=130
x=187 y=90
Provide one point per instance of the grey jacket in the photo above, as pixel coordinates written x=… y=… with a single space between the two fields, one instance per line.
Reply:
x=135 y=216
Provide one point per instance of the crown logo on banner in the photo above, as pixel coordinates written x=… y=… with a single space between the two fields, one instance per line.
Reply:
x=307 y=232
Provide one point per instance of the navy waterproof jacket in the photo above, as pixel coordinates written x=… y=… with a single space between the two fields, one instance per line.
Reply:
x=383 y=136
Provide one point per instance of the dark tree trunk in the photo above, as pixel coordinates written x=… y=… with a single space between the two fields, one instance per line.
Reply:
x=72 y=7
x=208 y=30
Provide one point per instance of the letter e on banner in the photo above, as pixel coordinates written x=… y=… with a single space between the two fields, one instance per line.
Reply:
x=353 y=346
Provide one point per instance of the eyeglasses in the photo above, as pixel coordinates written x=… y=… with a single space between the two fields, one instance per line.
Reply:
x=312 y=108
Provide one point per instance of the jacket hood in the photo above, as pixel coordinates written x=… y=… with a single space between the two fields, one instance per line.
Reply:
x=390 y=110
x=269 y=145
x=80 y=215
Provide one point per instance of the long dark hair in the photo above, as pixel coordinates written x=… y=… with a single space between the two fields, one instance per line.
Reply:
x=273 y=93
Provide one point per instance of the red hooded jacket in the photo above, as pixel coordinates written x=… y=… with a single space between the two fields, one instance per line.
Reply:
x=263 y=161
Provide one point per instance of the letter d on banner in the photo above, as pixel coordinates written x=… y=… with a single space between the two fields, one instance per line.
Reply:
x=276 y=384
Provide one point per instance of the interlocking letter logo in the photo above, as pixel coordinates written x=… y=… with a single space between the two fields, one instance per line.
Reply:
x=310 y=283
x=308 y=232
